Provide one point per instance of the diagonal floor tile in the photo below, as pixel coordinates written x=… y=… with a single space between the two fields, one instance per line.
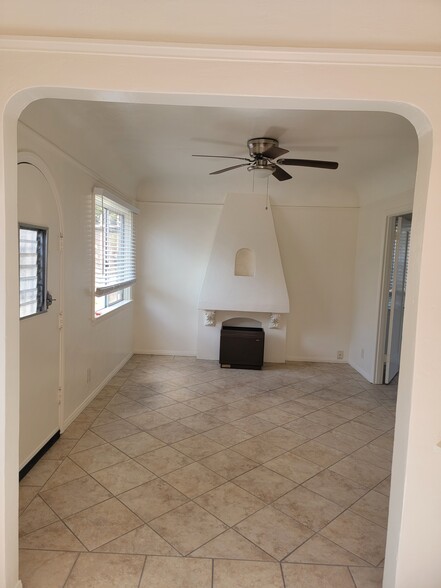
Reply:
x=229 y=503
x=198 y=447
x=102 y=570
x=172 y=432
x=374 y=507
x=194 y=479
x=227 y=435
x=319 y=550
x=55 y=537
x=75 y=496
x=102 y=523
x=41 y=472
x=168 y=572
x=188 y=527
x=138 y=444
x=265 y=484
x=164 y=460
x=231 y=545
x=201 y=422
x=45 y=569
x=228 y=464
x=358 y=535
x=87 y=441
x=123 y=476
x=246 y=574
x=142 y=541
x=306 y=576
x=98 y=458
x=283 y=438
x=335 y=487
x=274 y=532
x=115 y=430
x=360 y=471
x=36 y=516
x=367 y=577
x=318 y=453
x=26 y=496
x=152 y=499
x=293 y=467
x=67 y=472
x=308 y=508
x=258 y=450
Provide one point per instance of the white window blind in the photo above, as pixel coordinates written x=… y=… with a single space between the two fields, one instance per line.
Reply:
x=114 y=244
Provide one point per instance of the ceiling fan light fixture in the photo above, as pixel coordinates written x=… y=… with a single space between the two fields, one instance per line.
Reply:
x=262 y=169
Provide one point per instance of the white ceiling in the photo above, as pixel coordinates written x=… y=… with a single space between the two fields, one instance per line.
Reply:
x=147 y=149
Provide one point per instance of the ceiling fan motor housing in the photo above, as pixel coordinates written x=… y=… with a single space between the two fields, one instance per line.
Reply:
x=260 y=145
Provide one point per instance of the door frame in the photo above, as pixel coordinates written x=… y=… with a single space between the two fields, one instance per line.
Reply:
x=35 y=160
x=384 y=294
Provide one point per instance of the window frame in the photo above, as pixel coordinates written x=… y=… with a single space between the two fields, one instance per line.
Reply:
x=43 y=257
x=126 y=293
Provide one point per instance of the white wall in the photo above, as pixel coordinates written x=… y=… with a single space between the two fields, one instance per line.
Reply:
x=386 y=201
x=173 y=246
x=101 y=345
x=317 y=247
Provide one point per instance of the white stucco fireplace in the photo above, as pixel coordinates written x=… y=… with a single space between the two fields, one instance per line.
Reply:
x=244 y=278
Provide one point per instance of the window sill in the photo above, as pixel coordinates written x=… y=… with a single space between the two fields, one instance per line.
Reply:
x=110 y=311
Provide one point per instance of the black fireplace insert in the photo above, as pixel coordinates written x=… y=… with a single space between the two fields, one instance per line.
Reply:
x=242 y=347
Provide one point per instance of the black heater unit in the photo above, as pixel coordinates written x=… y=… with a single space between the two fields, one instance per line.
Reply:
x=242 y=347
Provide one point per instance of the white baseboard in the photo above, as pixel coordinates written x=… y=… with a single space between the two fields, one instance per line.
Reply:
x=316 y=359
x=94 y=393
x=178 y=352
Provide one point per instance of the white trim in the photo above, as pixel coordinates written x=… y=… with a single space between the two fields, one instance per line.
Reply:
x=183 y=353
x=94 y=393
x=220 y=52
x=315 y=359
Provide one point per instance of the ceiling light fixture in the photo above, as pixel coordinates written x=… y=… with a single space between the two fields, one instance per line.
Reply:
x=262 y=168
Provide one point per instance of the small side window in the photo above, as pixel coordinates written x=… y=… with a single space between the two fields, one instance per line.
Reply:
x=33 y=269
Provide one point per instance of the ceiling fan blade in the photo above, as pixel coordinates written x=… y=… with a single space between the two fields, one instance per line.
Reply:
x=274 y=152
x=309 y=163
x=280 y=174
x=221 y=171
x=225 y=157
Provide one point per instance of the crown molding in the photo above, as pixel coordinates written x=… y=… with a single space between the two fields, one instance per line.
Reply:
x=220 y=52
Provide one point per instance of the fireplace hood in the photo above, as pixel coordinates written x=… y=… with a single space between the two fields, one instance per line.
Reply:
x=245 y=272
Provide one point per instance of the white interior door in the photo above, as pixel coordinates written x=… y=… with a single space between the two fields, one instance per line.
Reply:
x=39 y=333
x=397 y=299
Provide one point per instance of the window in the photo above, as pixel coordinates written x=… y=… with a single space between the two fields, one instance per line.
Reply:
x=114 y=252
x=33 y=270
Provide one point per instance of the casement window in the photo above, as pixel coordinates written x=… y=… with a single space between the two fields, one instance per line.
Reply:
x=115 y=270
x=32 y=269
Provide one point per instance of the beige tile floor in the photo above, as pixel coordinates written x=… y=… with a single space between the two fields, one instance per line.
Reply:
x=182 y=474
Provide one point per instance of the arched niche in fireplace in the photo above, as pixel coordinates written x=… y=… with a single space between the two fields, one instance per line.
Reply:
x=245 y=263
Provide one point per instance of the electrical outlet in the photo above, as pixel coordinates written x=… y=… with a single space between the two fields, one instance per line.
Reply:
x=339 y=354
x=88 y=375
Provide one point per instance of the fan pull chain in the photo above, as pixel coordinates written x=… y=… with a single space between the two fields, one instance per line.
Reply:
x=267 y=195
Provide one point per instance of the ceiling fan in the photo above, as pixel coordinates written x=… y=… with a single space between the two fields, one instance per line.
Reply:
x=264 y=154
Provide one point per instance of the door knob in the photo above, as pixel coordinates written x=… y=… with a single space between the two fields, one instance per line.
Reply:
x=49 y=299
